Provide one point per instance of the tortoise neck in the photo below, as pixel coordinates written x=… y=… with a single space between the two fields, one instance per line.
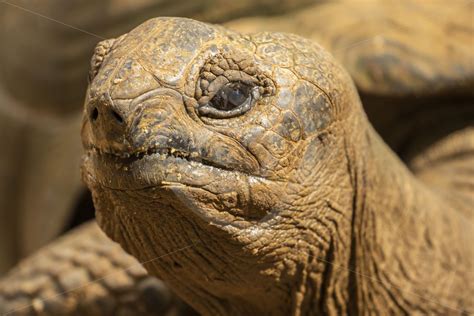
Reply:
x=403 y=235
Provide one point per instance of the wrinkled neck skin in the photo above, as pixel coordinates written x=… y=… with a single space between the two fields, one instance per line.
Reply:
x=293 y=261
x=411 y=250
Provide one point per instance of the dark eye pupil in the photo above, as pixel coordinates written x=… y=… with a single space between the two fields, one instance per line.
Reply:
x=231 y=96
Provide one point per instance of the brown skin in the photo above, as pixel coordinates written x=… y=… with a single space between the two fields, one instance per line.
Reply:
x=292 y=205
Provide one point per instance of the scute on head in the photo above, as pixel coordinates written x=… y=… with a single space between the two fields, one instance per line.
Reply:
x=160 y=46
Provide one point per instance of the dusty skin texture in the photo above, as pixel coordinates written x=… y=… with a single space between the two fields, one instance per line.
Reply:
x=255 y=150
x=84 y=273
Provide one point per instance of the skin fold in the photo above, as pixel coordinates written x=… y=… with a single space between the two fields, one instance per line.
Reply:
x=288 y=204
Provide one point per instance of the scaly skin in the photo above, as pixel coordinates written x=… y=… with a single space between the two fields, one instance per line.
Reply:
x=84 y=273
x=293 y=205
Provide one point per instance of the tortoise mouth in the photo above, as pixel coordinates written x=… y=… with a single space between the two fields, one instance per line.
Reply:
x=153 y=167
x=161 y=153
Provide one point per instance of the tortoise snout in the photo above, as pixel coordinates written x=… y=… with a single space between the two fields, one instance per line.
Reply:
x=108 y=123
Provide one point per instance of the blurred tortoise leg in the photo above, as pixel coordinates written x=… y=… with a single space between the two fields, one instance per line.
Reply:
x=85 y=273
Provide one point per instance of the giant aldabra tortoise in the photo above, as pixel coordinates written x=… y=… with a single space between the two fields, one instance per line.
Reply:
x=46 y=46
x=242 y=170
x=255 y=151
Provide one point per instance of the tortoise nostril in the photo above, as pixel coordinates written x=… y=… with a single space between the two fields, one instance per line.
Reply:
x=117 y=116
x=94 y=114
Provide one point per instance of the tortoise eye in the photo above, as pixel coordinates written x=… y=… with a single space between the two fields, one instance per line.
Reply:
x=233 y=99
x=231 y=96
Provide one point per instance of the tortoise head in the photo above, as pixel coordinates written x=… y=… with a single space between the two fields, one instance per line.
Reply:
x=221 y=159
